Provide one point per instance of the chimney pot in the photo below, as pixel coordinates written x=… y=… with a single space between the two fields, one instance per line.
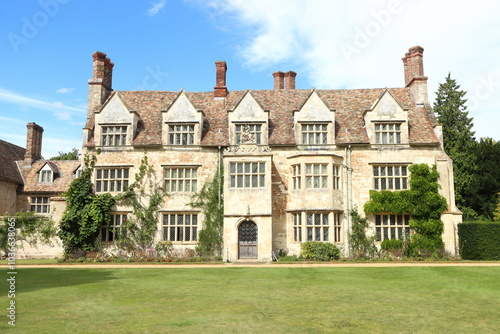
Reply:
x=290 y=79
x=279 y=80
x=413 y=64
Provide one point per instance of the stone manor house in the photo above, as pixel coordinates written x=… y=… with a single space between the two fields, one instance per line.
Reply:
x=295 y=161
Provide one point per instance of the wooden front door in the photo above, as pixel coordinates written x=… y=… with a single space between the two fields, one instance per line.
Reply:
x=247 y=240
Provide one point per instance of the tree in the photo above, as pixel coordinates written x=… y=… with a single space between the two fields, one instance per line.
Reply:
x=360 y=244
x=486 y=180
x=458 y=137
x=496 y=214
x=71 y=155
x=210 y=200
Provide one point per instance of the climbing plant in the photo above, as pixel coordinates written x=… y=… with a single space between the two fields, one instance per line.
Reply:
x=423 y=202
x=26 y=226
x=360 y=244
x=145 y=195
x=210 y=200
x=85 y=213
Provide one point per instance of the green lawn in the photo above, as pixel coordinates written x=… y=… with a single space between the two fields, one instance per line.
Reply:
x=256 y=300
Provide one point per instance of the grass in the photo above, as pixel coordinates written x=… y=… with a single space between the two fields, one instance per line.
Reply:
x=256 y=300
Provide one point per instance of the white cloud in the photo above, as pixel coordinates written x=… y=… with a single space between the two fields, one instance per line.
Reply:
x=359 y=44
x=64 y=90
x=156 y=7
x=24 y=101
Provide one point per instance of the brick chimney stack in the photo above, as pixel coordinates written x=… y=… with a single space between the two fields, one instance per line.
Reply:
x=279 y=80
x=33 y=142
x=413 y=63
x=290 y=79
x=220 y=89
x=100 y=85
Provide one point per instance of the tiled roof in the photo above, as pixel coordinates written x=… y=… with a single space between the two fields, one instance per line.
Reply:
x=349 y=106
x=64 y=175
x=9 y=154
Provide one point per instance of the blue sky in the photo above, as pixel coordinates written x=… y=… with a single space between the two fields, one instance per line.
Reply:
x=46 y=49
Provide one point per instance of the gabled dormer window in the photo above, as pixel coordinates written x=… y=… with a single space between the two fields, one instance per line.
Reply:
x=314 y=134
x=46 y=174
x=181 y=134
x=388 y=133
x=113 y=135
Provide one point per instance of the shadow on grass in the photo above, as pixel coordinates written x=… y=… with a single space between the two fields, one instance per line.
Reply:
x=28 y=280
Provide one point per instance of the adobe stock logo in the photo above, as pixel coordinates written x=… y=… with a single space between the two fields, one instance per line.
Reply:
x=152 y=79
x=484 y=90
x=364 y=36
x=30 y=27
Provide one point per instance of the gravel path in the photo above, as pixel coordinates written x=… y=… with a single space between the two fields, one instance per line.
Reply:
x=267 y=265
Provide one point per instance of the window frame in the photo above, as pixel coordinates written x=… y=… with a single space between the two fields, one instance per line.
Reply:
x=390 y=132
x=111 y=232
x=176 y=232
x=322 y=133
x=257 y=134
x=316 y=179
x=110 y=184
x=114 y=139
x=256 y=180
x=312 y=225
x=173 y=183
x=39 y=203
x=383 y=181
x=176 y=136
x=385 y=229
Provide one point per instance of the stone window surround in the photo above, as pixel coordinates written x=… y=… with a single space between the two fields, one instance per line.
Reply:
x=392 y=181
x=40 y=204
x=247 y=177
x=403 y=131
x=183 y=229
x=193 y=181
x=103 y=185
x=317 y=225
x=391 y=226
x=333 y=172
x=304 y=125
x=112 y=231
x=99 y=134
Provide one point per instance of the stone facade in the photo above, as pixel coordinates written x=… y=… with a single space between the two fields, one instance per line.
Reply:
x=295 y=161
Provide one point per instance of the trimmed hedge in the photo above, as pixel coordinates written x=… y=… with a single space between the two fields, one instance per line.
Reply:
x=319 y=251
x=479 y=240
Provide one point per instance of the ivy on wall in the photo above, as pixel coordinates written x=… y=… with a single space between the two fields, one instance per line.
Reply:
x=422 y=201
x=145 y=196
x=85 y=213
x=210 y=200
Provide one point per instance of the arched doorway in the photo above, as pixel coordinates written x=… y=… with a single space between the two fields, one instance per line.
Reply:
x=247 y=240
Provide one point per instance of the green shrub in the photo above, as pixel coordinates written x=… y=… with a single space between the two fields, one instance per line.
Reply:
x=391 y=244
x=479 y=240
x=319 y=251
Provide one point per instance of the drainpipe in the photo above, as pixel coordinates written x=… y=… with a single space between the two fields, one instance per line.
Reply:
x=348 y=193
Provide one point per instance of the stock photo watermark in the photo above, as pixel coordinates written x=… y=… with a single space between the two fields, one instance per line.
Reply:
x=11 y=271
x=380 y=19
x=31 y=26
x=152 y=79
x=487 y=86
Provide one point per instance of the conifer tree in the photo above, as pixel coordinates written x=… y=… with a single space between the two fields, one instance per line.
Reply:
x=459 y=141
